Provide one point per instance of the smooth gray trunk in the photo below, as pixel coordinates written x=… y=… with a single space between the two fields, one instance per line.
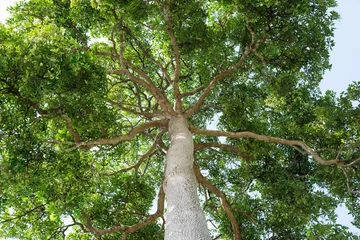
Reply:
x=185 y=219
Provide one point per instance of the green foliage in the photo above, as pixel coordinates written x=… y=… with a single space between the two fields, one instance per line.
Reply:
x=59 y=92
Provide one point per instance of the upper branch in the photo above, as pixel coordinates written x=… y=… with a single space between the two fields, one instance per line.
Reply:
x=77 y=33
x=251 y=47
x=147 y=83
x=119 y=24
x=147 y=55
x=176 y=51
x=190 y=111
x=158 y=95
x=23 y=215
x=292 y=143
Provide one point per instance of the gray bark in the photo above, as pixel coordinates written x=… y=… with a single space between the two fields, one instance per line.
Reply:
x=185 y=219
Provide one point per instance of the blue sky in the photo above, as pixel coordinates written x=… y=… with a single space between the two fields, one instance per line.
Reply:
x=344 y=59
x=345 y=55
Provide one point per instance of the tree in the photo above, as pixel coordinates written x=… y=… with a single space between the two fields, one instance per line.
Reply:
x=107 y=104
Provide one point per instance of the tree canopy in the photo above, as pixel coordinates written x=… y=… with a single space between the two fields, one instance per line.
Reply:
x=87 y=89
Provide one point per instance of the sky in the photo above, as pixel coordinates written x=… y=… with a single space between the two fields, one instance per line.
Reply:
x=344 y=58
x=345 y=54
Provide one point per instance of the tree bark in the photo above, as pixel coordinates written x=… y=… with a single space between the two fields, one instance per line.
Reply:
x=185 y=218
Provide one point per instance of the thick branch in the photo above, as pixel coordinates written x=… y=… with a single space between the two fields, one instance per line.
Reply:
x=119 y=24
x=176 y=51
x=128 y=229
x=159 y=212
x=223 y=146
x=224 y=201
x=292 y=143
x=98 y=231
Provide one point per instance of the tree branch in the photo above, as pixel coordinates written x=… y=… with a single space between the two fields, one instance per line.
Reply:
x=22 y=215
x=32 y=104
x=176 y=51
x=97 y=231
x=193 y=92
x=146 y=54
x=141 y=113
x=352 y=163
x=128 y=136
x=191 y=110
x=143 y=157
x=71 y=129
x=351 y=191
x=78 y=223
x=223 y=146
x=252 y=47
x=128 y=229
x=148 y=84
x=62 y=230
x=160 y=98
x=119 y=24
x=224 y=201
x=292 y=143
x=157 y=93
x=78 y=35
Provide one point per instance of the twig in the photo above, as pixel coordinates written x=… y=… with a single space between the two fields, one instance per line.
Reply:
x=352 y=163
x=146 y=54
x=16 y=92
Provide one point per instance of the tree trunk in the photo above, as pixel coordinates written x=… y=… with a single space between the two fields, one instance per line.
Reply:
x=185 y=218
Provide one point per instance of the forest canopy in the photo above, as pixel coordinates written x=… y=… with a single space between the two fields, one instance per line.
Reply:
x=95 y=95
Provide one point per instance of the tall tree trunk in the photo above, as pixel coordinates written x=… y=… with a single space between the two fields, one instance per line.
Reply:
x=185 y=218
